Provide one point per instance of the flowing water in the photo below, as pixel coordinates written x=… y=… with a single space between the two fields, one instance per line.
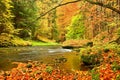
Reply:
x=63 y=58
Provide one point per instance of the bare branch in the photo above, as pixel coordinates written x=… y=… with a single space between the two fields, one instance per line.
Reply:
x=104 y=5
x=89 y=1
x=59 y=5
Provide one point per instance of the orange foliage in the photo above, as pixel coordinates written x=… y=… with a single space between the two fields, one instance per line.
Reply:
x=65 y=14
x=106 y=72
x=37 y=71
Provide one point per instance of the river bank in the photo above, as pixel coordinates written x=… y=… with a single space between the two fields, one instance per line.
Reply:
x=53 y=62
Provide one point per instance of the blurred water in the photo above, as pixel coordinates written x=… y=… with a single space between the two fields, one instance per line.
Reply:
x=46 y=54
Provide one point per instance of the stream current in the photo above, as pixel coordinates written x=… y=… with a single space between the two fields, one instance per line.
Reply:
x=65 y=58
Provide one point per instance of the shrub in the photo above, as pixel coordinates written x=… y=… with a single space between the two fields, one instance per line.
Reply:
x=112 y=46
x=85 y=50
x=90 y=56
x=49 y=69
x=115 y=66
x=90 y=59
x=24 y=34
x=26 y=13
x=95 y=75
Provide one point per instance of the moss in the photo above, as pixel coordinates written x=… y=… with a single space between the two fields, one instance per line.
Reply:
x=20 y=42
x=7 y=40
x=91 y=56
x=90 y=59
x=38 y=43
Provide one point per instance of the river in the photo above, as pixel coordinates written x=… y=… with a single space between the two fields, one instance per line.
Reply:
x=59 y=57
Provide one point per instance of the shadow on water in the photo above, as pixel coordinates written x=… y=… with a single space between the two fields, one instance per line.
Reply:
x=64 y=58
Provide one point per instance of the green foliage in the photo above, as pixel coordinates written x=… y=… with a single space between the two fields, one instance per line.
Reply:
x=91 y=56
x=95 y=75
x=38 y=43
x=48 y=24
x=112 y=46
x=118 y=31
x=115 y=66
x=6 y=40
x=85 y=50
x=118 y=77
x=76 y=29
x=55 y=32
x=16 y=41
x=49 y=69
x=26 y=13
x=90 y=59
x=6 y=25
x=24 y=33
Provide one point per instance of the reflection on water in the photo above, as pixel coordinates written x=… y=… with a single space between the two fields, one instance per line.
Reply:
x=46 y=54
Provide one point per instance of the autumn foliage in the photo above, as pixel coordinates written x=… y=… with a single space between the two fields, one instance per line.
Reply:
x=34 y=70
x=97 y=20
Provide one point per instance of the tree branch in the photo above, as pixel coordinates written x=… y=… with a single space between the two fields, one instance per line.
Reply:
x=104 y=5
x=59 y=5
x=89 y=1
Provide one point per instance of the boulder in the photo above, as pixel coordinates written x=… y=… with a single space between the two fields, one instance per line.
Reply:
x=76 y=43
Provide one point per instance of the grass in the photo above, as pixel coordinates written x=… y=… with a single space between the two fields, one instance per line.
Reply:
x=39 y=43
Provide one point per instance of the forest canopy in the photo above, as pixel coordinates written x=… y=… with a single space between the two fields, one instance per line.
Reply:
x=89 y=29
x=49 y=19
